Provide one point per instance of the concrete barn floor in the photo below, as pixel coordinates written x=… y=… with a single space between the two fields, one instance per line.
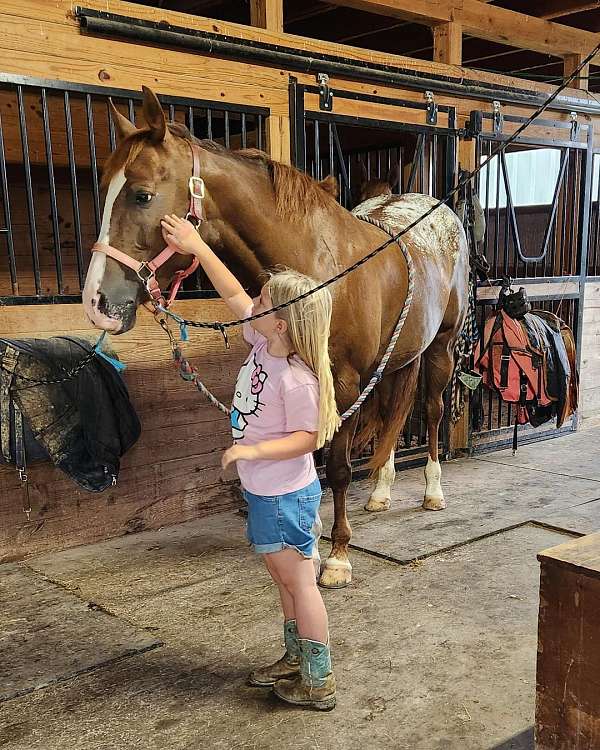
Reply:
x=145 y=641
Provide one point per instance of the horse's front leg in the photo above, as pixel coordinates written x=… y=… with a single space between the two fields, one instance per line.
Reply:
x=337 y=570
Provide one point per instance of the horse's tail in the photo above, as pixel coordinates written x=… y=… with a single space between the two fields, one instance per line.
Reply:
x=395 y=406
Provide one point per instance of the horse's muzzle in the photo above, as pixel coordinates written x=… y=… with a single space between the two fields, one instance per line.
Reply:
x=116 y=318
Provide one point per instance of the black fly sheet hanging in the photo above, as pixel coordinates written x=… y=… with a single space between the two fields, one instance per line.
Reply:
x=83 y=424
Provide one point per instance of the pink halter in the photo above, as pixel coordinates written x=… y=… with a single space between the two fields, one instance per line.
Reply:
x=146 y=270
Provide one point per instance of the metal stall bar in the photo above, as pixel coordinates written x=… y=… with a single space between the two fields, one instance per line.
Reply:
x=417 y=161
x=594 y=264
x=227 y=130
x=93 y=161
x=7 y=228
x=244 y=135
x=29 y=192
x=583 y=237
x=52 y=189
x=74 y=189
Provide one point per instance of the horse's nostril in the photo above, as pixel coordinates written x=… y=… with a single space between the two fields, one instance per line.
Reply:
x=114 y=309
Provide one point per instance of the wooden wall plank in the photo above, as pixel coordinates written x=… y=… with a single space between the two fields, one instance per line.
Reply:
x=172 y=474
x=60 y=11
x=126 y=65
x=590 y=361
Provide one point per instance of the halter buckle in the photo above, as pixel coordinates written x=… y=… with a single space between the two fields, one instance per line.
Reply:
x=196 y=187
x=143 y=269
x=194 y=220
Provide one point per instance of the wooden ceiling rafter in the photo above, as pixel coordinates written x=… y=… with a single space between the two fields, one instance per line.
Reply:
x=564 y=8
x=492 y=23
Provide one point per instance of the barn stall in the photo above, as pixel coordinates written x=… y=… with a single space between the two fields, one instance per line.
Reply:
x=248 y=86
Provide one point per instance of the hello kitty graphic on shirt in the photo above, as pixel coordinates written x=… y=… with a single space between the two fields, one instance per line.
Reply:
x=246 y=400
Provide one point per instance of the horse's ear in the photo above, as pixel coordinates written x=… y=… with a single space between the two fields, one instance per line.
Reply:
x=123 y=126
x=362 y=171
x=393 y=177
x=330 y=185
x=154 y=116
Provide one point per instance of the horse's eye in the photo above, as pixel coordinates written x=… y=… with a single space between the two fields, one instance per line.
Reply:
x=142 y=198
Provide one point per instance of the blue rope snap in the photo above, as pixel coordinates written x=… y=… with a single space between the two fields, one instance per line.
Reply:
x=119 y=366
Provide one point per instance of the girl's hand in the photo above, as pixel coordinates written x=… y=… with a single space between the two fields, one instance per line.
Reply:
x=235 y=453
x=182 y=234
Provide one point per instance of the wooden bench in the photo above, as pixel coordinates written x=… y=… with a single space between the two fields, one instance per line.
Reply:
x=567 y=715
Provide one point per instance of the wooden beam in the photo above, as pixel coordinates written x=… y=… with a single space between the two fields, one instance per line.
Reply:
x=267 y=14
x=485 y=22
x=560 y=8
x=447 y=43
x=571 y=63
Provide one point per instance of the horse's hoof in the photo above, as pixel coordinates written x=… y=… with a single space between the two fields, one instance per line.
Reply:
x=377 y=504
x=336 y=574
x=434 y=503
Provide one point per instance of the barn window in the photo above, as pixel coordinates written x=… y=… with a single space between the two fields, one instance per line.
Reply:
x=532 y=176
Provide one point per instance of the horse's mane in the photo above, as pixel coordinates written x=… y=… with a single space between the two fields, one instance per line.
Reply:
x=297 y=194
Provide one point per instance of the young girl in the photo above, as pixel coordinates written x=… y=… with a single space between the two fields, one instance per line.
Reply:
x=283 y=409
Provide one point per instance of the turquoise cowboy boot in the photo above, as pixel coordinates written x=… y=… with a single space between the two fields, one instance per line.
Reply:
x=315 y=686
x=287 y=666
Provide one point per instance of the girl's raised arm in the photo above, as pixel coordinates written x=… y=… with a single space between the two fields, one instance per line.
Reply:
x=181 y=234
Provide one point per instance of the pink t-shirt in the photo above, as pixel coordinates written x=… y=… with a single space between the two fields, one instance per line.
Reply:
x=273 y=398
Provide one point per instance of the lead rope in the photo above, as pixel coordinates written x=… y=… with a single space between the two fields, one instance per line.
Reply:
x=189 y=373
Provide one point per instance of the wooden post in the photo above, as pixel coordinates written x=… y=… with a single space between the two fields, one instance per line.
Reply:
x=571 y=62
x=447 y=43
x=567 y=713
x=267 y=14
x=460 y=438
x=278 y=138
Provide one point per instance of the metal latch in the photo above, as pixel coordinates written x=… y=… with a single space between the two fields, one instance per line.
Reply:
x=432 y=108
x=325 y=93
x=474 y=125
x=574 y=126
x=498 y=117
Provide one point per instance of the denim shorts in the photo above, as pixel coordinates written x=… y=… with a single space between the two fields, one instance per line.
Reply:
x=279 y=521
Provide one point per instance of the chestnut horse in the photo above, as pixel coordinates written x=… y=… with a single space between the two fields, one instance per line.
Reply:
x=259 y=213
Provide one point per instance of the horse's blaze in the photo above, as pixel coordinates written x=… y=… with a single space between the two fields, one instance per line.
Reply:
x=97 y=268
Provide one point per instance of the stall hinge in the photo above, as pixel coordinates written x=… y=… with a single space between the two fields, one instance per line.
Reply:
x=498 y=117
x=432 y=108
x=574 y=126
x=325 y=93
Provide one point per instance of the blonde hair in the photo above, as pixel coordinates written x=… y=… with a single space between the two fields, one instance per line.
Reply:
x=308 y=324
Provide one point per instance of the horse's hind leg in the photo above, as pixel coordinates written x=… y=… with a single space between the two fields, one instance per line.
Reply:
x=337 y=570
x=381 y=497
x=438 y=364
x=397 y=397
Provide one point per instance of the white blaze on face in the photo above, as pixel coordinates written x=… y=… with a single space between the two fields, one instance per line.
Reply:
x=97 y=266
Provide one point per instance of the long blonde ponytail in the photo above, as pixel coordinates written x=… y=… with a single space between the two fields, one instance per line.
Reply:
x=309 y=322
